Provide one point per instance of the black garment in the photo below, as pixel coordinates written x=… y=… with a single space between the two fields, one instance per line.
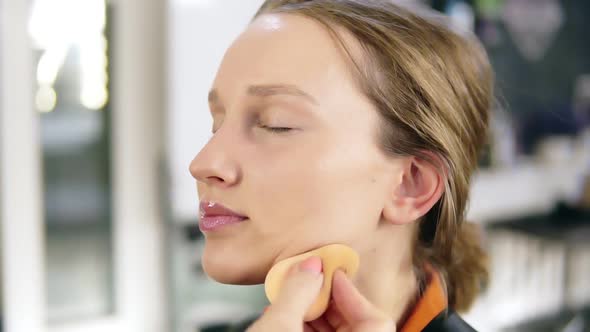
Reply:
x=448 y=321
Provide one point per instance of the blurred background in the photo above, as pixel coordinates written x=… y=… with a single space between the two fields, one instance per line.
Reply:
x=103 y=105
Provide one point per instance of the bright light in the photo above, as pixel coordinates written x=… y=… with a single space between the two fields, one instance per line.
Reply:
x=93 y=72
x=58 y=25
x=65 y=21
x=94 y=99
x=199 y=3
x=46 y=99
x=50 y=64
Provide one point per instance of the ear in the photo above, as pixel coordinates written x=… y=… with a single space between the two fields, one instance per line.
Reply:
x=421 y=186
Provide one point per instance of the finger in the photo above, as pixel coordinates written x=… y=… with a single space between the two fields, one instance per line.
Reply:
x=308 y=328
x=300 y=289
x=352 y=305
x=321 y=325
x=333 y=316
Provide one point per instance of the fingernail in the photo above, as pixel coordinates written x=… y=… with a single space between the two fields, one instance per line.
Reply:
x=312 y=264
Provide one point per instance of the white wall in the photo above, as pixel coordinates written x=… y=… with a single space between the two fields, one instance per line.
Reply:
x=199 y=33
x=20 y=174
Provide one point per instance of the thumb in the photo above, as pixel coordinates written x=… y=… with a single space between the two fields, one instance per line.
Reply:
x=300 y=289
x=352 y=305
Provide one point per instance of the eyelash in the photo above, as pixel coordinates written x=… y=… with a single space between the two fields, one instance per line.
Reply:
x=277 y=130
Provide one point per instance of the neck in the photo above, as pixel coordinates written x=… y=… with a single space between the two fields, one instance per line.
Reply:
x=386 y=276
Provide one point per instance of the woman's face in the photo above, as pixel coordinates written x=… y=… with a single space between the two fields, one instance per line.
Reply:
x=294 y=150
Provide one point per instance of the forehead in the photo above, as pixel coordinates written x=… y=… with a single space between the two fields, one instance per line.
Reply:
x=286 y=48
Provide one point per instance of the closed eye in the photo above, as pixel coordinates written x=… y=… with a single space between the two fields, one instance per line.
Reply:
x=277 y=130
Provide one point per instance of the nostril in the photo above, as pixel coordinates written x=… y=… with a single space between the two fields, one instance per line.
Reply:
x=215 y=179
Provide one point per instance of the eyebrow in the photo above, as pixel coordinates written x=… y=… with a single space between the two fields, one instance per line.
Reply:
x=269 y=90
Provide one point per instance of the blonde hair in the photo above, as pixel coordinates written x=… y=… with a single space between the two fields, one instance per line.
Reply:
x=433 y=88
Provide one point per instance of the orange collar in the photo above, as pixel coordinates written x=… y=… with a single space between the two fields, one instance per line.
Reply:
x=430 y=305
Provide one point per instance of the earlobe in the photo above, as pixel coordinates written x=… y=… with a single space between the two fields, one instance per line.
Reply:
x=420 y=187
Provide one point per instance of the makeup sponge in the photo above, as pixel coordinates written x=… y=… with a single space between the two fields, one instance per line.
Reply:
x=334 y=257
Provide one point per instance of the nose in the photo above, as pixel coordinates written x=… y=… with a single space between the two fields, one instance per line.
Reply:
x=216 y=164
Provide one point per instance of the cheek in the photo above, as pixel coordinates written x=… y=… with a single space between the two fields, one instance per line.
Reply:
x=319 y=194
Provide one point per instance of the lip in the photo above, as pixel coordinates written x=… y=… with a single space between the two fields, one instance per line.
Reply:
x=214 y=216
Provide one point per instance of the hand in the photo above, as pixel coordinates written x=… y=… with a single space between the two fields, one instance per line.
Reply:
x=300 y=289
x=349 y=310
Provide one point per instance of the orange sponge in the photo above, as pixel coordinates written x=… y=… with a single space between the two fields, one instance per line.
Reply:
x=334 y=257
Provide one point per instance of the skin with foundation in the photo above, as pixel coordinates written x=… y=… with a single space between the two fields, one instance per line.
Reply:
x=293 y=164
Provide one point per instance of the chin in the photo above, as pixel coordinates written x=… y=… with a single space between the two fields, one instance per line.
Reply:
x=232 y=270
